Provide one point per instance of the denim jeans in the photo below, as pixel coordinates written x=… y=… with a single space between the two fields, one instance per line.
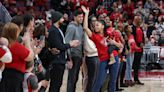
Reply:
x=74 y=74
x=113 y=71
x=128 y=72
x=92 y=69
x=101 y=75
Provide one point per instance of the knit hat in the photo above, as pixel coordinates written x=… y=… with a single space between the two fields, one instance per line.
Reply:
x=55 y=16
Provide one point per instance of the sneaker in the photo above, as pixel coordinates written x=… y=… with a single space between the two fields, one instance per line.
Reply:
x=111 y=60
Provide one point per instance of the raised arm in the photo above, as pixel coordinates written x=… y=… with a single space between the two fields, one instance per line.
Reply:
x=85 y=24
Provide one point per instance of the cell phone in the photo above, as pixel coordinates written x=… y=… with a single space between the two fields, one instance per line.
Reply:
x=42 y=37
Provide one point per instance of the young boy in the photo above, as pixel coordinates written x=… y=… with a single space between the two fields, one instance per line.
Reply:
x=5 y=54
x=30 y=83
x=5 y=57
x=114 y=35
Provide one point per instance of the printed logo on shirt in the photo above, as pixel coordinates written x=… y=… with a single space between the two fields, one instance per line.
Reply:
x=104 y=42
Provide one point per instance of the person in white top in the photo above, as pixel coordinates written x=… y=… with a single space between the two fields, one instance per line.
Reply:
x=91 y=58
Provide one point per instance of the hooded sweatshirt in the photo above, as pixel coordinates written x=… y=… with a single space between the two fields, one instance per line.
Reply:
x=75 y=32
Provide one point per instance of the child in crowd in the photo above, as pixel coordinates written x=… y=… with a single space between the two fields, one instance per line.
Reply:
x=5 y=54
x=112 y=34
x=30 y=83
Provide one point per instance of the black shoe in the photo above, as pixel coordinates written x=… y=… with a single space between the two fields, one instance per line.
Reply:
x=123 y=85
x=119 y=89
x=139 y=83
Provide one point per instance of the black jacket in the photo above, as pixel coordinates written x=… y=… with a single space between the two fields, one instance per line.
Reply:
x=55 y=40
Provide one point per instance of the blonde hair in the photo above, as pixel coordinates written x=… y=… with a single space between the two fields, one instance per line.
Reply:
x=10 y=31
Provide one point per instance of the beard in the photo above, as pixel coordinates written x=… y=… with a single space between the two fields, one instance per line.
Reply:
x=60 y=23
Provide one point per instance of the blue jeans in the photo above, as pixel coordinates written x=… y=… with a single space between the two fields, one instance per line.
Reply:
x=113 y=71
x=128 y=72
x=101 y=75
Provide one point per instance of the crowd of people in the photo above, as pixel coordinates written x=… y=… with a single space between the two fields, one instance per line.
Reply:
x=104 y=39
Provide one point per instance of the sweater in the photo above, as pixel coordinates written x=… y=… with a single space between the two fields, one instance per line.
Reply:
x=75 y=32
x=89 y=47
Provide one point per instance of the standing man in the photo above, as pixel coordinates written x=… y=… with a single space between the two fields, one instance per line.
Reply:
x=56 y=40
x=75 y=32
x=139 y=39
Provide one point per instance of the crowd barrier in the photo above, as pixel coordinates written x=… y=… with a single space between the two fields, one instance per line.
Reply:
x=153 y=56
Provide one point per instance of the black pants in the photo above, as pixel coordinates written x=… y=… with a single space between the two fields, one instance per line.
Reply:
x=92 y=69
x=11 y=81
x=74 y=74
x=136 y=64
x=121 y=74
x=56 y=76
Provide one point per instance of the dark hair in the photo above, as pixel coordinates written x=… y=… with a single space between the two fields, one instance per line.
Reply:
x=126 y=29
x=1 y=29
x=29 y=64
x=103 y=23
x=27 y=18
x=39 y=31
x=78 y=12
x=90 y=21
x=17 y=20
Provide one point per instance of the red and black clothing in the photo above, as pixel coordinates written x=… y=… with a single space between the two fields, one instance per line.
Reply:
x=101 y=46
x=139 y=39
x=138 y=36
x=13 y=74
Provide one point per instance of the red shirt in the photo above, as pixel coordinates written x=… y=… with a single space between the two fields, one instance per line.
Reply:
x=110 y=32
x=139 y=38
x=101 y=46
x=2 y=52
x=19 y=53
x=117 y=37
x=139 y=35
x=114 y=34
x=132 y=43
